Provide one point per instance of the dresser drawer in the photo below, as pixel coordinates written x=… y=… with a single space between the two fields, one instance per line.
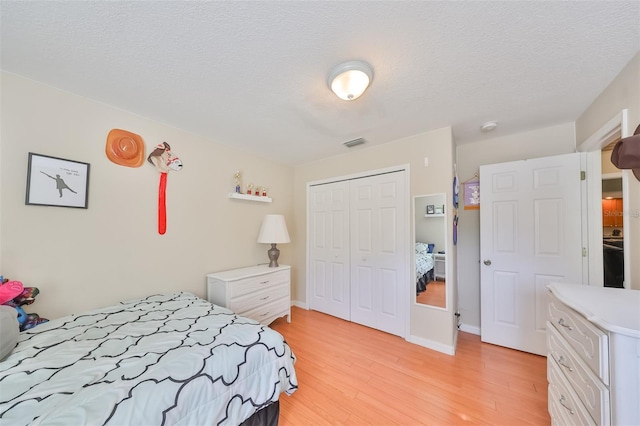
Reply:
x=265 y=314
x=590 y=343
x=593 y=394
x=257 y=283
x=258 y=292
x=565 y=407
x=240 y=304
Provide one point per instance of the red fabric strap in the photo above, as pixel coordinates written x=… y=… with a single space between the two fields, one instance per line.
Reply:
x=162 y=204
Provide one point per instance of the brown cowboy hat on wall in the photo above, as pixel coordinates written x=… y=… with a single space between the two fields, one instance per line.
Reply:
x=125 y=148
x=626 y=153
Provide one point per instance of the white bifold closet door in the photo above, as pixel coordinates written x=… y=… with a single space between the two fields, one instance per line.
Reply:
x=329 y=249
x=357 y=250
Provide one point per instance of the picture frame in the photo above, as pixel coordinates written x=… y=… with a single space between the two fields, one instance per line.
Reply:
x=430 y=209
x=57 y=182
x=472 y=195
x=439 y=210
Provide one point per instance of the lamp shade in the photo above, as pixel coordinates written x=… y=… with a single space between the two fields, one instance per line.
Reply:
x=349 y=80
x=273 y=230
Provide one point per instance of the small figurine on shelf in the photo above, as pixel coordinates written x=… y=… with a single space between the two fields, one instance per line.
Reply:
x=264 y=191
x=250 y=189
x=257 y=191
x=237 y=178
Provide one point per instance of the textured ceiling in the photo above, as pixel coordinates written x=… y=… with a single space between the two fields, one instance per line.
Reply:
x=253 y=74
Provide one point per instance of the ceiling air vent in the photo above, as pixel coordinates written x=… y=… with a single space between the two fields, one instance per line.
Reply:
x=350 y=144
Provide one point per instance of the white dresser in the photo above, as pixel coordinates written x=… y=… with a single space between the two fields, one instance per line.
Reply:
x=593 y=359
x=257 y=292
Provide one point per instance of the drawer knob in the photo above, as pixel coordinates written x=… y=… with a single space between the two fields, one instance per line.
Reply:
x=563 y=402
x=563 y=362
x=264 y=298
x=562 y=323
x=264 y=315
x=264 y=282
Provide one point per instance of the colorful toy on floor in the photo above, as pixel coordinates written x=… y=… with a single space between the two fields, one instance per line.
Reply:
x=14 y=294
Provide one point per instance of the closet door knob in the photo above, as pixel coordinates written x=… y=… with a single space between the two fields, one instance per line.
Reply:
x=487 y=262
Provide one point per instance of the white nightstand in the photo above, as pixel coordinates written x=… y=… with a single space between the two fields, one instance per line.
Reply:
x=440 y=266
x=257 y=292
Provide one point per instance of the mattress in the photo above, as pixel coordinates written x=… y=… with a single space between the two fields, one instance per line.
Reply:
x=168 y=359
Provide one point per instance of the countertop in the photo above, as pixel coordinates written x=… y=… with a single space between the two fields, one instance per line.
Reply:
x=612 y=309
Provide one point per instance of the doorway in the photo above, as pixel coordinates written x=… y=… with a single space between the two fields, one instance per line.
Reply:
x=612 y=226
x=529 y=237
x=598 y=166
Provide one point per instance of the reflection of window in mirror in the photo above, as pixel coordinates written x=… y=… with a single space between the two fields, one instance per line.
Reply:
x=430 y=250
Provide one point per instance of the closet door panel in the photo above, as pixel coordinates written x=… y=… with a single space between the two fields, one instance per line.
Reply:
x=358 y=250
x=389 y=293
x=329 y=249
x=362 y=308
x=378 y=206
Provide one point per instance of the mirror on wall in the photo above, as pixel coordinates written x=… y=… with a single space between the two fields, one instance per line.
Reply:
x=430 y=258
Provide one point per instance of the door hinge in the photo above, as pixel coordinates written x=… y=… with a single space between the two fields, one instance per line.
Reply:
x=584 y=252
x=583 y=175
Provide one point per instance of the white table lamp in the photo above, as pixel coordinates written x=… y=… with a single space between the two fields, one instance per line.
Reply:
x=273 y=231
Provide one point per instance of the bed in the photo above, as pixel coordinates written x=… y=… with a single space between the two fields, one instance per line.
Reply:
x=167 y=359
x=424 y=266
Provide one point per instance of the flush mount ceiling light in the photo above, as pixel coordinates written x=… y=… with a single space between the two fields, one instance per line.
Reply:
x=489 y=126
x=350 y=79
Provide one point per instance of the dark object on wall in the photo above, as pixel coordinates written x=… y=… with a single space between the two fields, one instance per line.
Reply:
x=626 y=153
x=53 y=181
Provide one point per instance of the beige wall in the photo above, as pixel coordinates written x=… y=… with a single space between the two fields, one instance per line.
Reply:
x=549 y=141
x=81 y=259
x=432 y=325
x=606 y=164
x=622 y=93
x=430 y=230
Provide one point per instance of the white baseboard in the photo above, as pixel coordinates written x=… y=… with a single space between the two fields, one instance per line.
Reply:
x=299 y=304
x=430 y=344
x=470 y=329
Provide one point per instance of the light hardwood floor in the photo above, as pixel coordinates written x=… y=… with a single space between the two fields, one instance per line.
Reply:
x=434 y=295
x=353 y=375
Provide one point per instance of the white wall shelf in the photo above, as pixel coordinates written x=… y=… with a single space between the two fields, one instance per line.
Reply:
x=250 y=197
x=434 y=215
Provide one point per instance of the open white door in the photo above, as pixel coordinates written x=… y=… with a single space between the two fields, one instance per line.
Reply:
x=530 y=235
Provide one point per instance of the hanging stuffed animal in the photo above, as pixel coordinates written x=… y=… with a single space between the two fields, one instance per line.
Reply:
x=165 y=161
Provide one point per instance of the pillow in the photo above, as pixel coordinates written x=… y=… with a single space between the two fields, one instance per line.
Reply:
x=9 y=330
x=421 y=248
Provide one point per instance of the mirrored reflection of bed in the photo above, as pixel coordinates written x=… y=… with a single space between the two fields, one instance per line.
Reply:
x=425 y=272
x=164 y=359
x=430 y=237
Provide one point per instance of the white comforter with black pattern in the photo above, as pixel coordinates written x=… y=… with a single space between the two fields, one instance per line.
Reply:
x=424 y=263
x=171 y=359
